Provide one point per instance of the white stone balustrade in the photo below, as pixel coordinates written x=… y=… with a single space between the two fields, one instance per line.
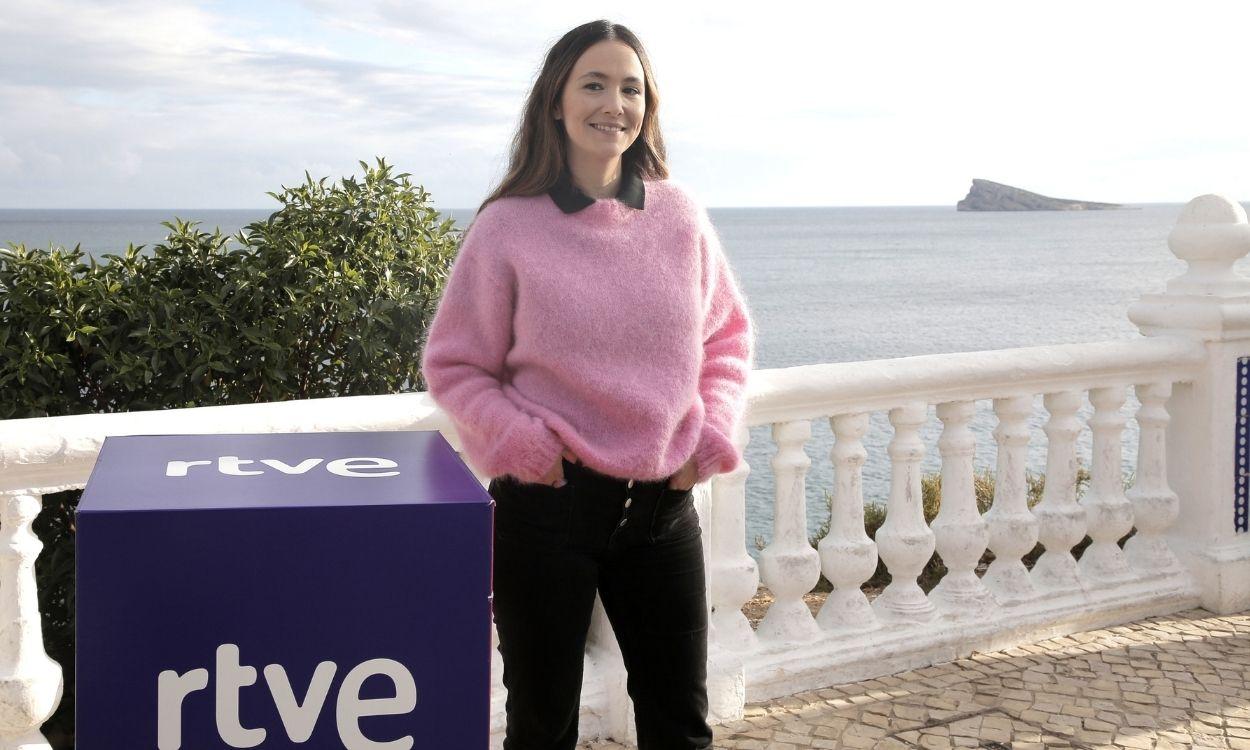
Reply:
x=1155 y=505
x=960 y=530
x=30 y=682
x=1208 y=303
x=1013 y=528
x=1061 y=519
x=789 y=566
x=1186 y=549
x=1108 y=513
x=733 y=575
x=905 y=541
x=848 y=557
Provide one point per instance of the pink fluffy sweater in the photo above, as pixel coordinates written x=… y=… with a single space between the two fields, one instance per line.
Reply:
x=619 y=333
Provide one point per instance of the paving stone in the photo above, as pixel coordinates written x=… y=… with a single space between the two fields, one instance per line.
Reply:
x=1134 y=741
x=1092 y=737
x=1167 y=682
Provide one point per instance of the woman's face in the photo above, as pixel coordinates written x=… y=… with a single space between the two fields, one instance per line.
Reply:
x=606 y=88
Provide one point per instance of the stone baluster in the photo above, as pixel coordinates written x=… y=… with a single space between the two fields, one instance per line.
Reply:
x=905 y=541
x=1155 y=505
x=848 y=557
x=959 y=529
x=30 y=682
x=496 y=658
x=733 y=576
x=732 y=580
x=789 y=566
x=1013 y=528
x=1061 y=519
x=603 y=656
x=1107 y=510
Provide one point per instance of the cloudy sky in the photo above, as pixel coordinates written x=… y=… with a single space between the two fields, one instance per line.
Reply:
x=208 y=104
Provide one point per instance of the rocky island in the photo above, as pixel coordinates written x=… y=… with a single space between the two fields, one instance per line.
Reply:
x=994 y=196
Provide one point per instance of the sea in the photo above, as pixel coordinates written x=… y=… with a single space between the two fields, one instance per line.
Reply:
x=849 y=284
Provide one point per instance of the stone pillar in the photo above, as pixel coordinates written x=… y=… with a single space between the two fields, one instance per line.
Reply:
x=1155 y=505
x=959 y=529
x=732 y=580
x=733 y=576
x=1061 y=520
x=847 y=556
x=1207 y=458
x=30 y=682
x=905 y=542
x=789 y=566
x=1108 y=513
x=1012 y=526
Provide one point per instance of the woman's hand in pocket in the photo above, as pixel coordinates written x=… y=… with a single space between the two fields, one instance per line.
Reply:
x=685 y=477
x=555 y=475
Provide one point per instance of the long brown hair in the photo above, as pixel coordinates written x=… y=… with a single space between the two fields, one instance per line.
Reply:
x=538 y=148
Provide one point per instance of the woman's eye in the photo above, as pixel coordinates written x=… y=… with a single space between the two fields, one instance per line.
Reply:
x=598 y=86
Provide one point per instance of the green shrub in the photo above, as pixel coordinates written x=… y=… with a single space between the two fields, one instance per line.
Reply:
x=330 y=296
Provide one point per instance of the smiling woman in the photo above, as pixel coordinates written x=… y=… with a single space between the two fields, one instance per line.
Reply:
x=602 y=107
x=588 y=78
x=592 y=348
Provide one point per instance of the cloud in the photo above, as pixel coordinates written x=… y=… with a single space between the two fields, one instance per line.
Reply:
x=10 y=162
x=153 y=104
x=213 y=102
x=444 y=27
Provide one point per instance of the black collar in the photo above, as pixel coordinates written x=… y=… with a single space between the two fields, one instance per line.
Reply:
x=571 y=199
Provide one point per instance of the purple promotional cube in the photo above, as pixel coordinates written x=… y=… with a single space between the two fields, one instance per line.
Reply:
x=310 y=590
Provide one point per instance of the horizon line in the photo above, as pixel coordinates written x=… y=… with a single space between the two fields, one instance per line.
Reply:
x=467 y=209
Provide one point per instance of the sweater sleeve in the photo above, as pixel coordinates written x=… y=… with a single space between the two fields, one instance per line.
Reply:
x=463 y=364
x=728 y=356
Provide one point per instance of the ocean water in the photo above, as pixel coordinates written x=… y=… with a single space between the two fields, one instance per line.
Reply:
x=848 y=284
x=101 y=231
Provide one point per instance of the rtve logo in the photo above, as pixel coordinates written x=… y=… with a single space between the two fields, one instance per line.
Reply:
x=299 y=719
x=361 y=466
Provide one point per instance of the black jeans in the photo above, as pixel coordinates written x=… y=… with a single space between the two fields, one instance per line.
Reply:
x=640 y=547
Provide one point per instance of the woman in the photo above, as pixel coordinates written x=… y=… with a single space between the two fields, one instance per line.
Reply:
x=592 y=349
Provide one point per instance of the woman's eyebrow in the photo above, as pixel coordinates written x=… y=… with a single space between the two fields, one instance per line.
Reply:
x=597 y=74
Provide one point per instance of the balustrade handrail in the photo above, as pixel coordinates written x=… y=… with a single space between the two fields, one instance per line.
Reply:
x=823 y=390
x=46 y=454
x=52 y=453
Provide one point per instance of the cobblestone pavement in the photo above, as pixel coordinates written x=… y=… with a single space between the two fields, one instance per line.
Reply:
x=1179 y=681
